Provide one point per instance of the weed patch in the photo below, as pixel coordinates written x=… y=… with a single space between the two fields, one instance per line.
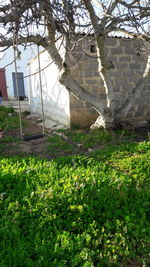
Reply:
x=99 y=137
x=56 y=145
x=8 y=118
x=9 y=139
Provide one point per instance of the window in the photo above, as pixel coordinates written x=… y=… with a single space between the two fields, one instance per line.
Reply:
x=93 y=49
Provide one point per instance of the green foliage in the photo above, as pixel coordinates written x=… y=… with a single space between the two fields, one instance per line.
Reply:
x=76 y=211
x=9 y=139
x=58 y=145
x=6 y=109
x=99 y=137
x=91 y=138
x=8 y=118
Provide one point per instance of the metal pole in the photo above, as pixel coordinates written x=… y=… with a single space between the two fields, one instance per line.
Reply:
x=17 y=88
x=40 y=82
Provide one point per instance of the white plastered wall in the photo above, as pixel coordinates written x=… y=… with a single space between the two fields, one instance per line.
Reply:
x=7 y=57
x=55 y=95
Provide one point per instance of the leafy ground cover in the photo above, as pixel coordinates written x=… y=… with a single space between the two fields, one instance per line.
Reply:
x=66 y=142
x=85 y=210
x=9 y=118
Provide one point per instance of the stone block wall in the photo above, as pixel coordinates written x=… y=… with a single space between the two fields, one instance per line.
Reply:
x=129 y=66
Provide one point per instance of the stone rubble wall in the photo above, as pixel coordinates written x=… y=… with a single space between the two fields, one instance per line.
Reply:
x=129 y=68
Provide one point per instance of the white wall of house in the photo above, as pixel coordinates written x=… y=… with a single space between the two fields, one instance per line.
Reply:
x=55 y=96
x=7 y=57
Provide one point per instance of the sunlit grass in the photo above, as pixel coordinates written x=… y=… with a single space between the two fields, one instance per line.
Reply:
x=78 y=210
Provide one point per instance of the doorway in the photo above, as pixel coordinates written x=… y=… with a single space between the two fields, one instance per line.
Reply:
x=20 y=84
x=3 y=86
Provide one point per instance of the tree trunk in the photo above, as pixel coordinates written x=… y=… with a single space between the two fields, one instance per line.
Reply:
x=106 y=117
x=114 y=117
x=106 y=120
x=109 y=115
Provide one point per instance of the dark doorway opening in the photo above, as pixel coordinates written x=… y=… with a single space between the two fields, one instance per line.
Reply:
x=19 y=77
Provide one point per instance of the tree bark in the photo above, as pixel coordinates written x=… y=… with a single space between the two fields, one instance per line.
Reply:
x=104 y=65
x=79 y=92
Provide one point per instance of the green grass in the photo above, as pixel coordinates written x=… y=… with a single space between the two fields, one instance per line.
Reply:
x=6 y=109
x=75 y=141
x=78 y=210
x=9 y=139
x=58 y=145
x=99 y=137
x=8 y=118
x=4 y=116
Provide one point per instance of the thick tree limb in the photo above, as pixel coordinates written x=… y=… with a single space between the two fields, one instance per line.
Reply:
x=37 y=39
x=75 y=88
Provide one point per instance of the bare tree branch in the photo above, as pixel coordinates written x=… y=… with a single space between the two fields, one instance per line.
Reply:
x=50 y=23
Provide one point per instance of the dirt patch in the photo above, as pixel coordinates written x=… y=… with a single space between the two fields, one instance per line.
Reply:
x=33 y=147
x=12 y=145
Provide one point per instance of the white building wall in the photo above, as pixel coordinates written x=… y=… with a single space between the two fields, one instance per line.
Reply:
x=55 y=95
x=7 y=57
